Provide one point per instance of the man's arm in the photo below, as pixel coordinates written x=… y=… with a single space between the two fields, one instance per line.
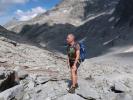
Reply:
x=77 y=57
x=77 y=54
x=68 y=64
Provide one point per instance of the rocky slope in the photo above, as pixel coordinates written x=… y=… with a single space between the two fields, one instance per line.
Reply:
x=24 y=62
x=37 y=74
x=43 y=75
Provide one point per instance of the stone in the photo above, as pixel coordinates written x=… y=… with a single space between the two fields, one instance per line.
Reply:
x=8 y=79
x=124 y=96
x=71 y=97
x=48 y=98
x=2 y=68
x=3 y=60
x=121 y=87
x=86 y=90
x=31 y=84
x=26 y=96
x=42 y=80
x=15 y=92
x=2 y=75
x=21 y=73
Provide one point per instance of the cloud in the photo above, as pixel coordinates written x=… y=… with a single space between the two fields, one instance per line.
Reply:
x=5 y=4
x=13 y=1
x=27 y=15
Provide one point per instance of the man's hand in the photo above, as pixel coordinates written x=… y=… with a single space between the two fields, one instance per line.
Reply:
x=74 y=67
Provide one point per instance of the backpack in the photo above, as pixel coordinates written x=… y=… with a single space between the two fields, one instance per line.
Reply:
x=82 y=51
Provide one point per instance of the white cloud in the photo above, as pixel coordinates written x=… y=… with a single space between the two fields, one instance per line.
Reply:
x=27 y=15
x=13 y=1
x=5 y=4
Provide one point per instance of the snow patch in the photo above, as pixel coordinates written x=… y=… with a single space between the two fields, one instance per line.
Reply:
x=111 y=19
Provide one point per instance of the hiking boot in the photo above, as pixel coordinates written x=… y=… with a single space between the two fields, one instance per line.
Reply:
x=76 y=85
x=71 y=90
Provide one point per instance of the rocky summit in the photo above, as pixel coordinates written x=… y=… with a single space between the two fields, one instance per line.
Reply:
x=33 y=59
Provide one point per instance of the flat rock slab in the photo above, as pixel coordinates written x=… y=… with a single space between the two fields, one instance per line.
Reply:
x=42 y=80
x=124 y=96
x=86 y=90
x=3 y=60
x=71 y=97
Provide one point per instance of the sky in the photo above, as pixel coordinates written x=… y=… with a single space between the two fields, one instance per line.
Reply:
x=23 y=10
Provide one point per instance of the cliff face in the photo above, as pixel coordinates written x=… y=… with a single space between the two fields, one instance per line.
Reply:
x=67 y=11
x=85 y=8
x=124 y=11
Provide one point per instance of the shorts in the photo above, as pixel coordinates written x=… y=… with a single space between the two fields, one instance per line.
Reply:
x=72 y=62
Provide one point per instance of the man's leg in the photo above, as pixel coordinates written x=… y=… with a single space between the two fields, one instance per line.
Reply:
x=71 y=77
x=74 y=77
x=74 y=80
x=77 y=66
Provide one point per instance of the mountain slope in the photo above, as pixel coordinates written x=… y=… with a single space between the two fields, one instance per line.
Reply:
x=124 y=12
x=101 y=24
x=72 y=12
x=50 y=29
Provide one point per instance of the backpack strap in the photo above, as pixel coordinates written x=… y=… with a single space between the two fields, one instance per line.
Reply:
x=75 y=44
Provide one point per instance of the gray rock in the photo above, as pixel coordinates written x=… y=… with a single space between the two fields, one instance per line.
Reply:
x=121 y=87
x=12 y=93
x=124 y=96
x=51 y=90
x=8 y=79
x=31 y=84
x=42 y=79
x=26 y=97
x=20 y=72
x=2 y=68
x=3 y=60
x=86 y=90
x=71 y=97
x=2 y=75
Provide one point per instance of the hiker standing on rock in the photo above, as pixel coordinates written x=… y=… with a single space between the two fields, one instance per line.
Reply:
x=74 y=52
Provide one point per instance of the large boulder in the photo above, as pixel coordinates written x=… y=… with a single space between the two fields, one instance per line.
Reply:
x=21 y=73
x=15 y=93
x=7 y=79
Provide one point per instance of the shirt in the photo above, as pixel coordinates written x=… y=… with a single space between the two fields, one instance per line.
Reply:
x=71 y=51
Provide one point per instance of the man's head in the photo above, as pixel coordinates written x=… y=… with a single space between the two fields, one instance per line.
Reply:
x=70 y=38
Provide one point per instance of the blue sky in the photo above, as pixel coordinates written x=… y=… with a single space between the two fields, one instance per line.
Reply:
x=23 y=9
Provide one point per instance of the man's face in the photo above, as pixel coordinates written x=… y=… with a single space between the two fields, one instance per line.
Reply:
x=69 y=39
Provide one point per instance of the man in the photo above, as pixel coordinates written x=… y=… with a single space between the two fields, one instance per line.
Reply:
x=73 y=52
